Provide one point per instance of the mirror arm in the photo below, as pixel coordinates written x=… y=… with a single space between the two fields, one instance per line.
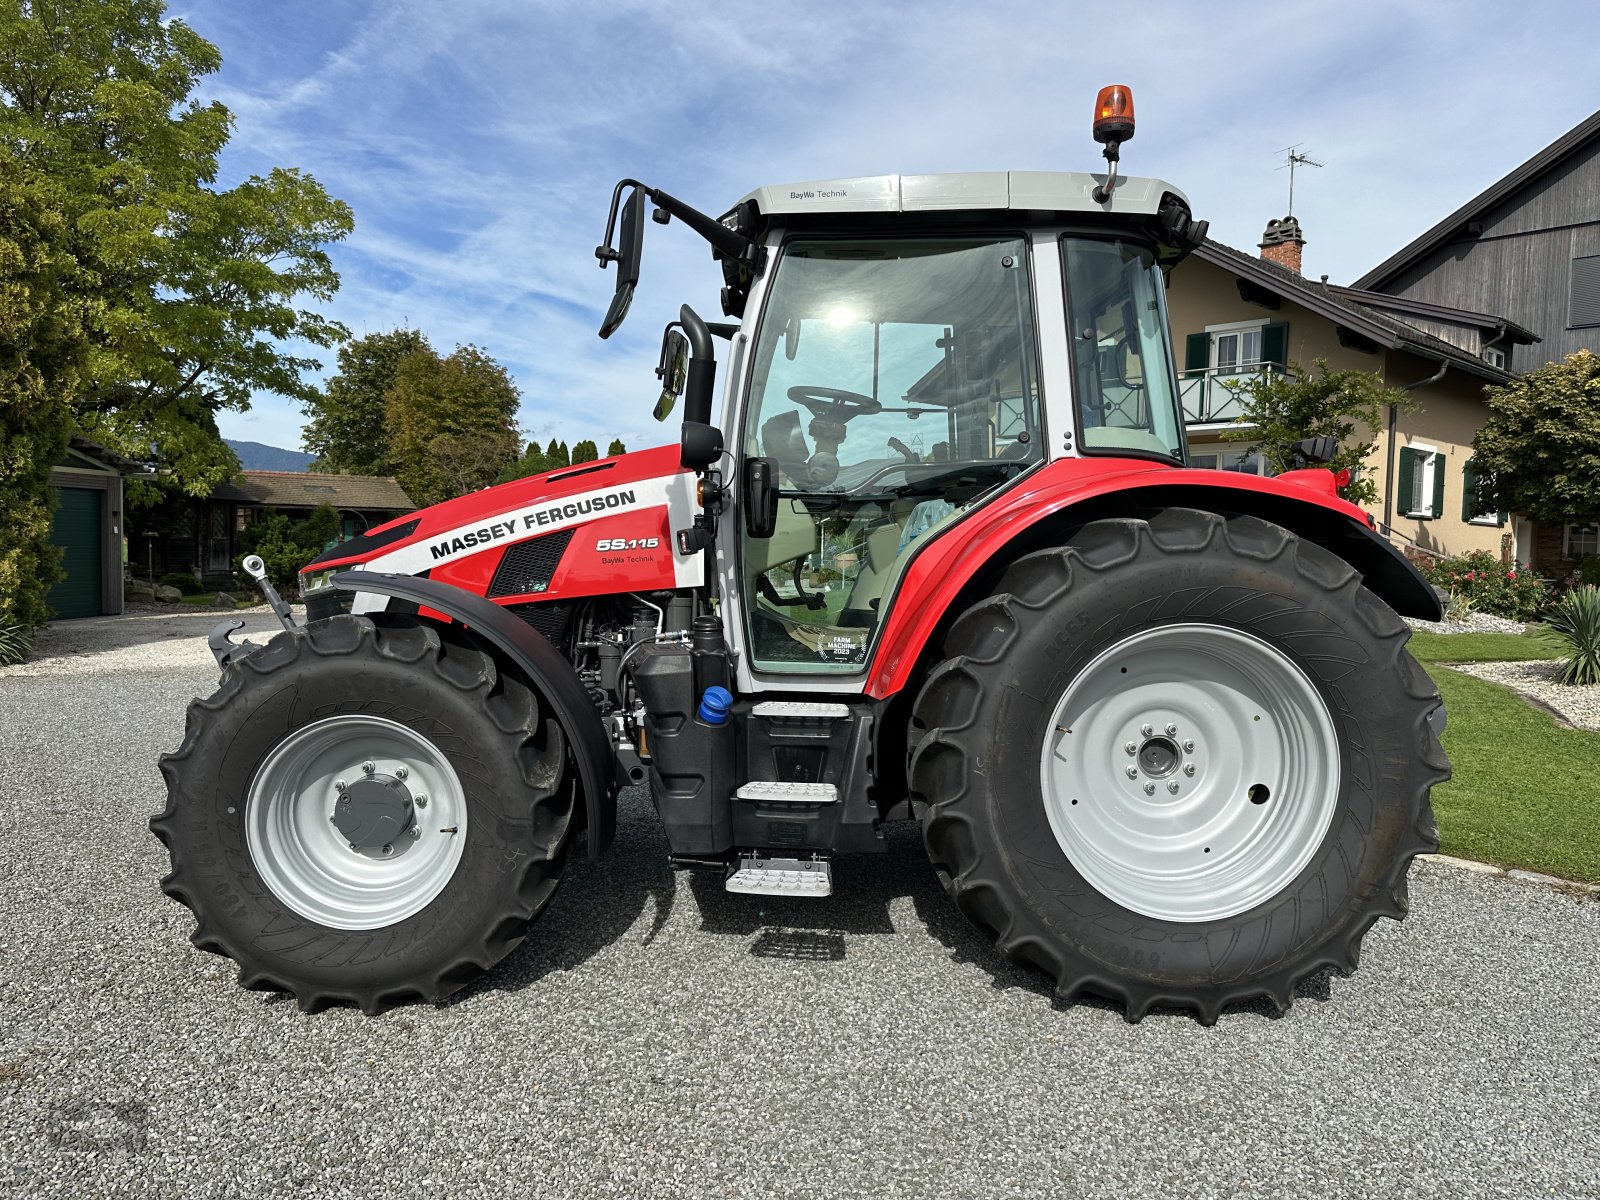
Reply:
x=604 y=251
x=734 y=245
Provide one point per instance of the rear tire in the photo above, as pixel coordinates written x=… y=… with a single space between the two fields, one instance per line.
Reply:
x=278 y=887
x=1172 y=875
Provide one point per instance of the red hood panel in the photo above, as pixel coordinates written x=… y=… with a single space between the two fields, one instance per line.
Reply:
x=617 y=517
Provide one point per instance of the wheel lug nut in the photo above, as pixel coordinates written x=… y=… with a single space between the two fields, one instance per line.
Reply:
x=1149 y=789
x=1130 y=747
x=339 y=785
x=387 y=850
x=416 y=832
x=1188 y=768
x=1133 y=771
x=420 y=800
x=1147 y=730
x=1173 y=787
x=401 y=772
x=1188 y=745
x=367 y=768
x=1171 y=729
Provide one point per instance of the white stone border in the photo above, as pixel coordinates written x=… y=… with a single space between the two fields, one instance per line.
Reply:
x=1570 y=887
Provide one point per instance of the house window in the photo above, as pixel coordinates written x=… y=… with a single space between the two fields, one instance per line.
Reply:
x=1243 y=461
x=1495 y=356
x=1421 y=490
x=1584 y=304
x=1582 y=541
x=1473 y=510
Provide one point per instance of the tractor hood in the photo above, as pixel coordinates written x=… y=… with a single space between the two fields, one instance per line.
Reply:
x=593 y=529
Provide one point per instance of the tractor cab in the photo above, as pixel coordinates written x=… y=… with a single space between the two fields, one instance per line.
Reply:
x=909 y=348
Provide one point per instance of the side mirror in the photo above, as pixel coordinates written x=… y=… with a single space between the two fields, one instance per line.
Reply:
x=627 y=256
x=672 y=371
x=760 y=497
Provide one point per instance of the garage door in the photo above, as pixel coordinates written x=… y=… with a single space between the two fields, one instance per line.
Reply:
x=76 y=529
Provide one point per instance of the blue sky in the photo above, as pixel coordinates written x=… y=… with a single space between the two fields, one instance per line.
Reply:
x=478 y=141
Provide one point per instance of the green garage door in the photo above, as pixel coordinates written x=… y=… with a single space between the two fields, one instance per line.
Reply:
x=76 y=529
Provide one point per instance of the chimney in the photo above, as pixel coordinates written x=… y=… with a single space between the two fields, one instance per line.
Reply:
x=1283 y=243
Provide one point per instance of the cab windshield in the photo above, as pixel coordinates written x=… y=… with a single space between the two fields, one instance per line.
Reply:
x=1121 y=357
x=894 y=383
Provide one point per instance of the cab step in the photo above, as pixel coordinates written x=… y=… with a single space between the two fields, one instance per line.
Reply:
x=758 y=875
x=801 y=710
x=769 y=792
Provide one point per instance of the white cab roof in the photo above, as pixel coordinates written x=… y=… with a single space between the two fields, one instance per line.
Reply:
x=1052 y=191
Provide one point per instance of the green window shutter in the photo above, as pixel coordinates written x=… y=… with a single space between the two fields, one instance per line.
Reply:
x=1469 y=490
x=1438 y=485
x=1197 y=352
x=1407 y=480
x=1275 y=344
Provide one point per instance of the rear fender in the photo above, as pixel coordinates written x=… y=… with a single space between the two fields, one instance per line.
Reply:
x=960 y=567
x=546 y=669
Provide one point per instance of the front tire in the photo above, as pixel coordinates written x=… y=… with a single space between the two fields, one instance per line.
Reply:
x=1183 y=761
x=366 y=813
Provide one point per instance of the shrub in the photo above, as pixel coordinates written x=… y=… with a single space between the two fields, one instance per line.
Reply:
x=1489 y=584
x=15 y=642
x=1575 y=621
x=184 y=582
x=1588 y=571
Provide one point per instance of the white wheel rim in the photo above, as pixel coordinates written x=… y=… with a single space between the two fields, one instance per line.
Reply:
x=1171 y=829
x=305 y=860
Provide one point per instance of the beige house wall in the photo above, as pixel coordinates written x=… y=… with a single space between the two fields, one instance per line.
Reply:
x=1447 y=415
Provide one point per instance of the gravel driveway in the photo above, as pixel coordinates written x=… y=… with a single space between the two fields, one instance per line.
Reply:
x=656 y=1037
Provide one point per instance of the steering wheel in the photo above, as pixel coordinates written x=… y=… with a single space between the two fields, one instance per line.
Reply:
x=834 y=403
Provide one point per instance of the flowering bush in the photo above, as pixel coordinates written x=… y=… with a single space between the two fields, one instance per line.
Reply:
x=1491 y=585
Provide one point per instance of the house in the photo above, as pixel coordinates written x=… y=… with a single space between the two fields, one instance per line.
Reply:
x=1528 y=247
x=200 y=537
x=1235 y=315
x=87 y=526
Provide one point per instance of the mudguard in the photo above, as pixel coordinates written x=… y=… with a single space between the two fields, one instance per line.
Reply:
x=545 y=666
x=1060 y=495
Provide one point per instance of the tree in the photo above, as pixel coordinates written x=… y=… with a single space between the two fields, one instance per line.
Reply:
x=286 y=545
x=556 y=455
x=615 y=448
x=347 y=430
x=585 y=451
x=42 y=352
x=532 y=462
x=196 y=290
x=451 y=423
x=1539 y=452
x=1280 y=410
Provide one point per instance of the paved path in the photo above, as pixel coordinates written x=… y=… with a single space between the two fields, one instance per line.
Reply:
x=656 y=1037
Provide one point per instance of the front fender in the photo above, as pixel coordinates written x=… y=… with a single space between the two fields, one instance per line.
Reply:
x=949 y=573
x=545 y=667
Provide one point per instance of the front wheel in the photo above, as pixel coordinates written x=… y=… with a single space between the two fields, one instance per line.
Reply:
x=366 y=813
x=1182 y=761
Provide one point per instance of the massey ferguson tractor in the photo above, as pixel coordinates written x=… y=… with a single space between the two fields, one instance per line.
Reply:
x=938 y=558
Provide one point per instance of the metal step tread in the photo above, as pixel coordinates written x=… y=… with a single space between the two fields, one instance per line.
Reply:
x=757 y=876
x=773 y=792
x=800 y=710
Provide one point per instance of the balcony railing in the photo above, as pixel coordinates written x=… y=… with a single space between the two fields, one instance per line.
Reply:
x=1207 y=397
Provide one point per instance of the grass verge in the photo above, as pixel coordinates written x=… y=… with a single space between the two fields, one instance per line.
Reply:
x=1524 y=791
x=1482 y=647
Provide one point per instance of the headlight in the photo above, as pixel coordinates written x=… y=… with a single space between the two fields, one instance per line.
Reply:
x=318 y=581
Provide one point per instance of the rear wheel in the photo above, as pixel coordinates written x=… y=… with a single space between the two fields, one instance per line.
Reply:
x=366 y=813
x=1183 y=761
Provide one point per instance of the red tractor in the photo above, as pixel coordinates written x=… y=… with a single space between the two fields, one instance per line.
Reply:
x=941 y=559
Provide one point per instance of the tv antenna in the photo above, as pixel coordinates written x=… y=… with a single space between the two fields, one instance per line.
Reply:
x=1296 y=159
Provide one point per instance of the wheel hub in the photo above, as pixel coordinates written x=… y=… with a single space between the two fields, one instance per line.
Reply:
x=1159 y=757
x=375 y=812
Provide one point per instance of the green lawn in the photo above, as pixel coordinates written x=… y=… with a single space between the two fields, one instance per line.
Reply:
x=1480 y=647
x=1526 y=791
